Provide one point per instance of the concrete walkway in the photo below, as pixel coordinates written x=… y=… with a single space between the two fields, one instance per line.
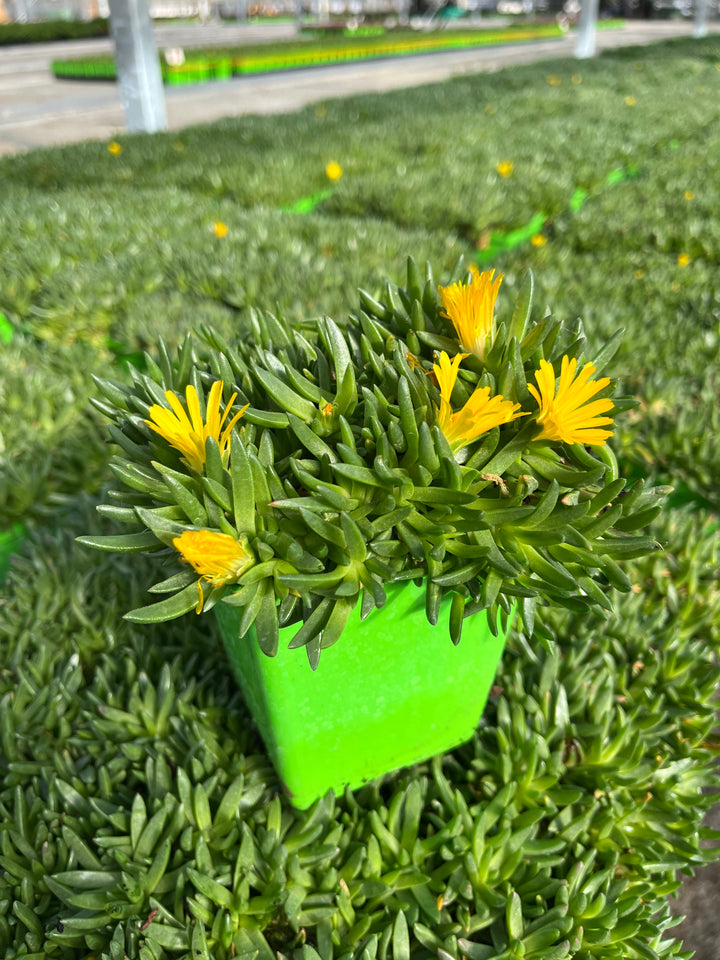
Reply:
x=36 y=110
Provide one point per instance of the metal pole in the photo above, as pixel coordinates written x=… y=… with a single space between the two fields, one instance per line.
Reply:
x=138 y=67
x=701 y=10
x=585 y=40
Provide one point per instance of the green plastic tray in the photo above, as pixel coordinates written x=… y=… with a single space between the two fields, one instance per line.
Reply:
x=393 y=691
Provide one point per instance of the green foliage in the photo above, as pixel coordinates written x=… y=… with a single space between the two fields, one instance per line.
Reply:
x=95 y=711
x=77 y=309
x=142 y=818
x=46 y=31
x=50 y=441
x=201 y=65
x=341 y=477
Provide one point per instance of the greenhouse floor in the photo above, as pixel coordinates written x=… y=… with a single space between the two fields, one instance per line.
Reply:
x=37 y=110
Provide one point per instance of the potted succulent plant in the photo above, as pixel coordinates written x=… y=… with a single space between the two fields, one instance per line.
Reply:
x=426 y=463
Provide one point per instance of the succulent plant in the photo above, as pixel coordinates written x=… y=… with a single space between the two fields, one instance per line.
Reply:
x=423 y=440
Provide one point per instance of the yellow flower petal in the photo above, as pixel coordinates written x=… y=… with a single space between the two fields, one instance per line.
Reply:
x=567 y=414
x=683 y=260
x=505 y=168
x=471 y=308
x=446 y=373
x=216 y=557
x=481 y=412
x=114 y=148
x=189 y=433
x=220 y=229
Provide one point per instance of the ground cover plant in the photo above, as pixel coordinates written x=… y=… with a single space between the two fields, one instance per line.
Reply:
x=138 y=811
x=47 y=31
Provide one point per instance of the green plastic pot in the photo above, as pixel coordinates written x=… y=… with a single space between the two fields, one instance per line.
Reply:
x=392 y=692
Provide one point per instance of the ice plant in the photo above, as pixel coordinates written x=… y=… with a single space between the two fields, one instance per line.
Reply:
x=217 y=557
x=186 y=431
x=471 y=308
x=569 y=415
x=356 y=471
x=481 y=412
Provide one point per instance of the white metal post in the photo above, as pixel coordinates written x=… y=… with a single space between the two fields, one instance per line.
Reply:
x=138 y=67
x=700 y=28
x=585 y=40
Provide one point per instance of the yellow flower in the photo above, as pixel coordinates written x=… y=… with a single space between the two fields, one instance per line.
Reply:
x=683 y=259
x=489 y=109
x=333 y=171
x=639 y=274
x=538 y=240
x=114 y=148
x=553 y=80
x=688 y=195
x=217 y=557
x=567 y=415
x=630 y=101
x=480 y=414
x=189 y=433
x=220 y=229
x=505 y=168
x=576 y=78
x=471 y=307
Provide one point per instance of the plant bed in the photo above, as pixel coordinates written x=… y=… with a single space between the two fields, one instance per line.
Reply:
x=540 y=831
x=606 y=727
x=201 y=66
x=48 y=31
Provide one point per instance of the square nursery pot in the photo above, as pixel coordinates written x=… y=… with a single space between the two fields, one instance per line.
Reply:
x=393 y=691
